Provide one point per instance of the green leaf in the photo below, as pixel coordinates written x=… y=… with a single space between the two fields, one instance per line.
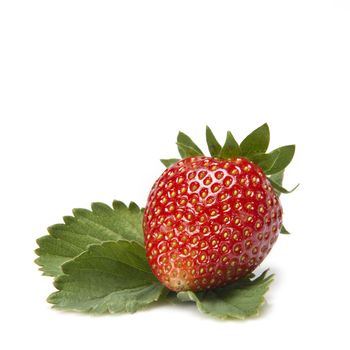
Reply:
x=239 y=300
x=102 y=223
x=284 y=230
x=264 y=160
x=277 y=178
x=109 y=277
x=231 y=148
x=169 y=162
x=281 y=189
x=257 y=141
x=214 y=146
x=285 y=155
x=187 y=148
x=187 y=151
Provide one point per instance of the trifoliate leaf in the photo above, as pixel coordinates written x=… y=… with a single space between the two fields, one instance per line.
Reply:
x=102 y=223
x=214 y=146
x=239 y=300
x=284 y=155
x=109 y=277
x=231 y=148
x=169 y=162
x=187 y=148
x=264 y=160
x=257 y=141
x=281 y=189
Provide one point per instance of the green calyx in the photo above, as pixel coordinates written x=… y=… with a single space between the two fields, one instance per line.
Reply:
x=253 y=147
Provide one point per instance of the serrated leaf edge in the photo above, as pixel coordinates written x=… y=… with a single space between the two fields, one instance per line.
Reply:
x=116 y=204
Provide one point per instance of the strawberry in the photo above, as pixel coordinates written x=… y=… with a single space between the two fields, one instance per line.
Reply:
x=210 y=221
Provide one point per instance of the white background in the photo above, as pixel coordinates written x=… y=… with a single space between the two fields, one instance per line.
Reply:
x=93 y=93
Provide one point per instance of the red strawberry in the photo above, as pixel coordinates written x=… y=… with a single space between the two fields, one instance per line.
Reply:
x=209 y=222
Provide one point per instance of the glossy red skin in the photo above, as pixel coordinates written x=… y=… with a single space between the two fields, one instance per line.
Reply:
x=209 y=222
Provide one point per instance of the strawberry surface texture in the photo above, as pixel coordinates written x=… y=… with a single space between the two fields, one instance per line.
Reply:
x=209 y=222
